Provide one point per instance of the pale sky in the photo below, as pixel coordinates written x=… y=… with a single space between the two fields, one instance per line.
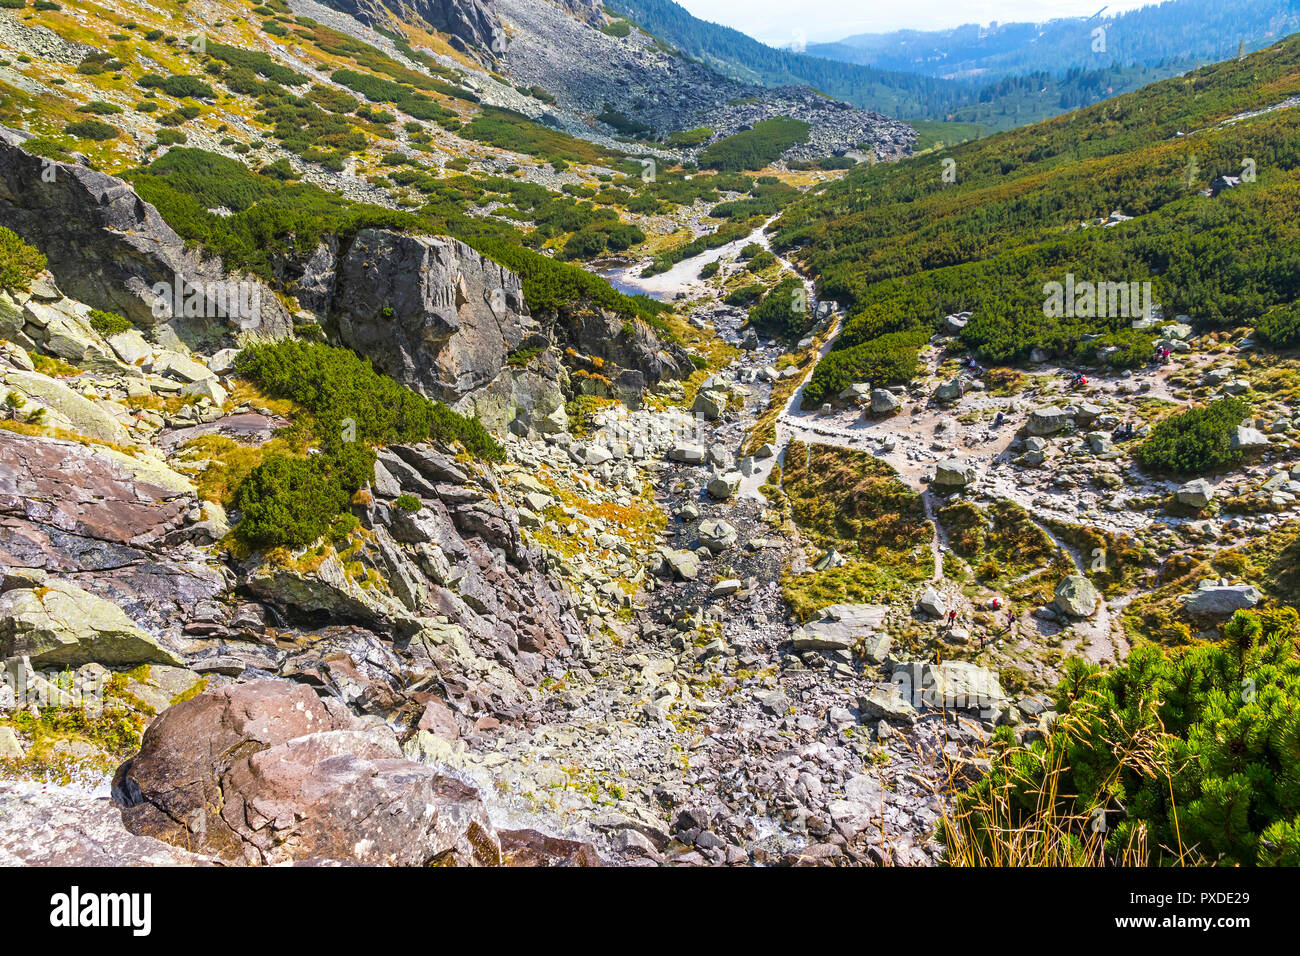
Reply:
x=776 y=21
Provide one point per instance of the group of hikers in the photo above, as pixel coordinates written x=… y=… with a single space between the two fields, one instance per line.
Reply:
x=1123 y=431
x=994 y=605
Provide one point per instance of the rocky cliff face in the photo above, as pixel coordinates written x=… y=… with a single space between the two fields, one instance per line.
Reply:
x=431 y=312
x=557 y=47
x=472 y=26
x=112 y=250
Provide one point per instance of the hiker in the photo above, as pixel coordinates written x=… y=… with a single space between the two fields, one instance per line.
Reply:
x=997 y=420
x=952 y=619
x=996 y=604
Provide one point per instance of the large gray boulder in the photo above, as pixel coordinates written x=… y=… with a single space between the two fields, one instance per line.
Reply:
x=1048 y=421
x=952 y=473
x=952 y=685
x=1077 y=597
x=431 y=312
x=842 y=626
x=1246 y=438
x=1221 y=599
x=1195 y=494
x=884 y=402
x=710 y=403
x=725 y=485
x=717 y=535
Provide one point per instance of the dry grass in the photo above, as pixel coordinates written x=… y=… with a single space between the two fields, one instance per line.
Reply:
x=989 y=827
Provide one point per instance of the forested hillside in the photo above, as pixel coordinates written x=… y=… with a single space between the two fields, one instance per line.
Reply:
x=905 y=248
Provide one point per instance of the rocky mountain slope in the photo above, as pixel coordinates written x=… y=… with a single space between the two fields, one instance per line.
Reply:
x=386 y=477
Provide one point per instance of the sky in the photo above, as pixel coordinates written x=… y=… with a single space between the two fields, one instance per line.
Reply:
x=776 y=21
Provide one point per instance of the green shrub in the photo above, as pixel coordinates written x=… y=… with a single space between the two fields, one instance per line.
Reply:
x=784 y=312
x=109 y=323
x=336 y=385
x=1219 y=731
x=19 y=262
x=408 y=503
x=1195 y=441
x=92 y=129
x=757 y=147
x=255 y=61
x=624 y=236
x=744 y=296
x=710 y=269
x=1132 y=349
x=619 y=28
x=1280 y=326
x=170 y=137
x=891 y=359
x=289 y=501
x=292 y=501
x=181 y=87
x=689 y=137
x=99 y=108
x=760 y=261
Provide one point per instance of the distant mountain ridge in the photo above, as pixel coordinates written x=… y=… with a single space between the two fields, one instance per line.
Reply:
x=1174 y=32
x=742 y=57
x=1001 y=75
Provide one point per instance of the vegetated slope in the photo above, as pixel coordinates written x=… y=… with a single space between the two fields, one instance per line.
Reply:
x=903 y=247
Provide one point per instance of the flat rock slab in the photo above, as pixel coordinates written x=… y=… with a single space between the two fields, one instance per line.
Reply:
x=52 y=826
x=78 y=489
x=249 y=428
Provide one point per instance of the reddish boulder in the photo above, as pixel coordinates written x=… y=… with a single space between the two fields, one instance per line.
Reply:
x=267 y=772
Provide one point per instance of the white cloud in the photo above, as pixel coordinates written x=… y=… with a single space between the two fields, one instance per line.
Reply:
x=775 y=21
